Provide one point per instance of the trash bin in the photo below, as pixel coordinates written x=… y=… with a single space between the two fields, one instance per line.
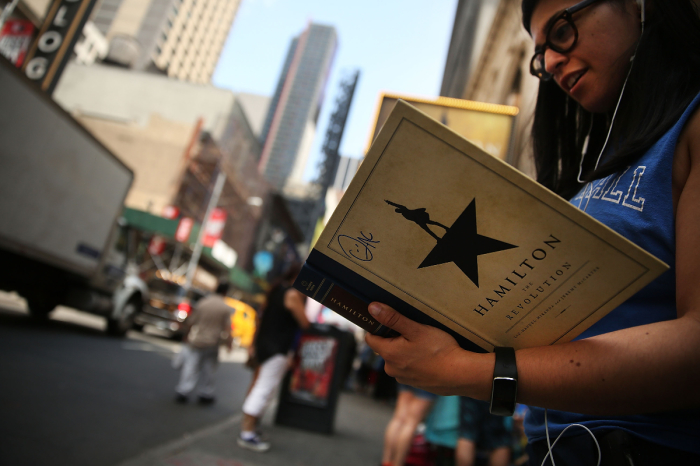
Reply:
x=308 y=397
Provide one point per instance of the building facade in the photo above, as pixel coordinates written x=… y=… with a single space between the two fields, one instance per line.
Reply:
x=177 y=136
x=189 y=49
x=471 y=26
x=290 y=126
x=181 y=38
x=244 y=193
x=34 y=10
x=498 y=70
x=174 y=135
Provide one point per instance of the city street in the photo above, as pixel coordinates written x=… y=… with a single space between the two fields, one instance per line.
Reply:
x=71 y=395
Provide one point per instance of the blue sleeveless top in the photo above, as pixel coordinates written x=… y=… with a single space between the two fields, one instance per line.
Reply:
x=638 y=204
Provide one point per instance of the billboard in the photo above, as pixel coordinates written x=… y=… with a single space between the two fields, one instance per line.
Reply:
x=15 y=38
x=312 y=370
x=488 y=126
x=54 y=44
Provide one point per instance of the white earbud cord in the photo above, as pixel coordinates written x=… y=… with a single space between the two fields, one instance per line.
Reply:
x=585 y=143
x=551 y=446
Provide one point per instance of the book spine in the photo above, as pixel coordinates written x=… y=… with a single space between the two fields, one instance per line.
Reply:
x=322 y=288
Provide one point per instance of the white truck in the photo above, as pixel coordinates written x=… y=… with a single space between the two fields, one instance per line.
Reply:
x=61 y=197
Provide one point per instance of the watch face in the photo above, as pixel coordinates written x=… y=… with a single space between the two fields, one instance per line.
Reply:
x=503 y=396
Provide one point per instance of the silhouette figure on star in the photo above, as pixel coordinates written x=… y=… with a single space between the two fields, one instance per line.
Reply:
x=418 y=216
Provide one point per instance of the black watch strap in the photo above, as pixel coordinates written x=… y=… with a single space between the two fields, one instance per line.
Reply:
x=505 y=382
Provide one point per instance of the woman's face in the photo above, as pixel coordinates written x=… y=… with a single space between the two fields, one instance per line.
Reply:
x=593 y=72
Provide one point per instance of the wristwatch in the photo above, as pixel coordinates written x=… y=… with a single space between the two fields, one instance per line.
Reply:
x=505 y=382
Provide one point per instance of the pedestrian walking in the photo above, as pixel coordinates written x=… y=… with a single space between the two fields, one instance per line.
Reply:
x=207 y=327
x=617 y=132
x=280 y=321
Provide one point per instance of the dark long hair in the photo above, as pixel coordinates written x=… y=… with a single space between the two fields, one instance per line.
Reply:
x=284 y=280
x=287 y=277
x=664 y=79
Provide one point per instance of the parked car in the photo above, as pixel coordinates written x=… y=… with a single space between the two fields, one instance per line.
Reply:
x=168 y=306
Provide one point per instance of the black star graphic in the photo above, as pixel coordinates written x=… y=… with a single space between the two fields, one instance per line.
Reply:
x=462 y=245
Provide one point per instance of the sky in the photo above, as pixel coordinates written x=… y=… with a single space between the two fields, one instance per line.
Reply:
x=399 y=46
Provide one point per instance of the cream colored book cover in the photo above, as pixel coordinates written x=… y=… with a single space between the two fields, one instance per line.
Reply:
x=476 y=245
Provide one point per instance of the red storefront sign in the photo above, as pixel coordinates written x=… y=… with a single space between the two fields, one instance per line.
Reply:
x=184 y=228
x=15 y=38
x=171 y=212
x=156 y=246
x=214 y=228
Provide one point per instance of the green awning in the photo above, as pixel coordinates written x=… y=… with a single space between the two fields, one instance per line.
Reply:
x=151 y=223
x=148 y=222
x=242 y=280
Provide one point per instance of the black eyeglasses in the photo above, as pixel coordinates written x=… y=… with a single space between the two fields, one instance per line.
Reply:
x=562 y=36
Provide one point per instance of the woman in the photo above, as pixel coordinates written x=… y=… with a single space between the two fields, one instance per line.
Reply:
x=631 y=378
x=282 y=318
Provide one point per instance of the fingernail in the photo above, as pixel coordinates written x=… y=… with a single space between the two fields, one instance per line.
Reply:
x=375 y=309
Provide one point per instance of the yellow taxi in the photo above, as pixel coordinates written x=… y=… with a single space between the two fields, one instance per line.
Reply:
x=242 y=322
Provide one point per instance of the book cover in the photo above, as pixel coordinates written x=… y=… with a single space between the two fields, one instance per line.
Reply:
x=453 y=237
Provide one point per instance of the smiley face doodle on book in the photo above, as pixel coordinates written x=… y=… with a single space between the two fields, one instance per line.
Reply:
x=460 y=243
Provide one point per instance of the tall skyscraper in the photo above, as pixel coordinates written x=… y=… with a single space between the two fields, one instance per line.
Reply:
x=291 y=121
x=182 y=38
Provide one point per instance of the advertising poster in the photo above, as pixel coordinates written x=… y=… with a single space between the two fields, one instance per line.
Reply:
x=15 y=38
x=312 y=373
x=489 y=126
x=53 y=47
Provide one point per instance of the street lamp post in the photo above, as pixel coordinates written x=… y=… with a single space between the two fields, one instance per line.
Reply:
x=197 y=251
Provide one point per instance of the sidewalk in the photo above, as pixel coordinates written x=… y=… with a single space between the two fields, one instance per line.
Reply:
x=357 y=441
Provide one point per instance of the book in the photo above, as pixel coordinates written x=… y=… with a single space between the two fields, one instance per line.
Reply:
x=453 y=237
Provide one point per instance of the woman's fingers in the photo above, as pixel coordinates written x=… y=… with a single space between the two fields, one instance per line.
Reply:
x=392 y=319
x=393 y=350
x=419 y=355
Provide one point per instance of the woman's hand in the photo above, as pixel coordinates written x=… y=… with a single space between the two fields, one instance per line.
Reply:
x=424 y=356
